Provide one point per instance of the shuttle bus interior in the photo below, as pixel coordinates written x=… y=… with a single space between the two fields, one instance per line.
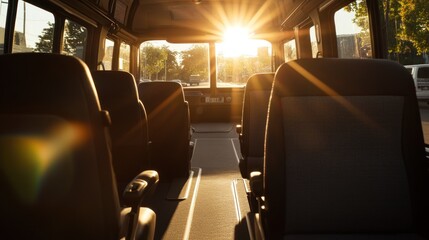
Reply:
x=214 y=119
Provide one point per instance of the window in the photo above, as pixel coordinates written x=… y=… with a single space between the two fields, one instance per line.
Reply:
x=423 y=72
x=108 y=55
x=313 y=40
x=34 y=29
x=238 y=60
x=290 y=50
x=3 y=13
x=124 y=57
x=353 y=33
x=184 y=63
x=74 y=41
x=407 y=43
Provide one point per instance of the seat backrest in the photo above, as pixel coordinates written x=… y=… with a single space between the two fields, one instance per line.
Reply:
x=117 y=91
x=169 y=127
x=55 y=169
x=253 y=120
x=344 y=151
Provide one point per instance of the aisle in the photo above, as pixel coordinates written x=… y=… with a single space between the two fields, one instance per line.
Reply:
x=213 y=207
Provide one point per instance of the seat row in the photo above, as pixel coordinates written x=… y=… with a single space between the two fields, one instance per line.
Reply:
x=150 y=125
x=338 y=153
x=71 y=168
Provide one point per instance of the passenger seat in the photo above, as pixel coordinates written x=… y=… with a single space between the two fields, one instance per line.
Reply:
x=253 y=120
x=56 y=174
x=169 y=128
x=117 y=91
x=344 y=153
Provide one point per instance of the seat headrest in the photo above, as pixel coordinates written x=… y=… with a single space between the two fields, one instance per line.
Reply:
x=47 y=84
x=116 y=85
x=154 y=93
x=260 y=81
x=319 y=77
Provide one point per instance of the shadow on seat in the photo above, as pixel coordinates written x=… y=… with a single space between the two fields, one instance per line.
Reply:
x=344 y=155
x=57 y=180
x=118 y=95
x=253 y=120
x=169 y=128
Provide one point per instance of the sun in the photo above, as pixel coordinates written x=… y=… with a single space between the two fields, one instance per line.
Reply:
x=236 y=42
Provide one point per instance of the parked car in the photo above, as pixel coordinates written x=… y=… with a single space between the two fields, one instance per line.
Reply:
x=180 y=81
x=145 y=80
x=194 y=79
x=420 y=73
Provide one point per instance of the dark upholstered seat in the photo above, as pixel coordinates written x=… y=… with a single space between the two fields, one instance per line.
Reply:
x=117 y=91
x=169 y=128
x=253 y=120
x=56 y=175
x=345 y=155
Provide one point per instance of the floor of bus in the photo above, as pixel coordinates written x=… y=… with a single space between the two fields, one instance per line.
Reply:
x=212 y=203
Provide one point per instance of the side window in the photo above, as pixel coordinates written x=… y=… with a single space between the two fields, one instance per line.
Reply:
x=290 y=50
x=423 y=72
x=34 y=29
x=108 y=54
x=313 y=40
x=74 y=41
x=406 y=29
x=3 y=14
x=124 y=57
x=352 y=29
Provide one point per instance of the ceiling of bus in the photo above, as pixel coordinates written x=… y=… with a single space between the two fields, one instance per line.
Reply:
x=182 y=19
x=159 y=18
x=202 y=17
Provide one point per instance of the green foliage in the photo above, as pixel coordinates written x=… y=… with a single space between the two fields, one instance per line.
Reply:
x=75 y=37
x=406 y=23
x=415 y=23
x=45 y=44
x=152 y=59
x=195 y=61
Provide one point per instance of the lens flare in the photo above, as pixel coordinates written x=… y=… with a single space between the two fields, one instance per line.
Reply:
x=26 y=160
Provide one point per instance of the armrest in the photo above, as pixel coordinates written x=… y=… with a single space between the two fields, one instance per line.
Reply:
x=256 y=184
x=238 y=128
x=139 y=188
x=191 y=149
x=150 y=176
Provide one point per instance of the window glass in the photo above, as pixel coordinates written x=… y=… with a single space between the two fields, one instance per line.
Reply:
x=124 y=57
x=353 y=33
x=238 y=60
x=313 y=41
x=184 y=63
x=406 y=29
x=290 y=50
x=108 y=55
x=34 y=29
x=423 y=72
x=3 y=13
x=74 y=41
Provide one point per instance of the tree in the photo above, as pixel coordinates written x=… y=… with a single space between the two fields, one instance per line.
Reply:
x=152 y=60
x=171 y=67
x=195 y=61
x=415 y=23
x=45 y=39
x=361 y=19
x=406 y=26
x=75 y=38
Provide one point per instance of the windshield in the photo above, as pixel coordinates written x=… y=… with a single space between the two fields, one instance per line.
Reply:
x=189 y=63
